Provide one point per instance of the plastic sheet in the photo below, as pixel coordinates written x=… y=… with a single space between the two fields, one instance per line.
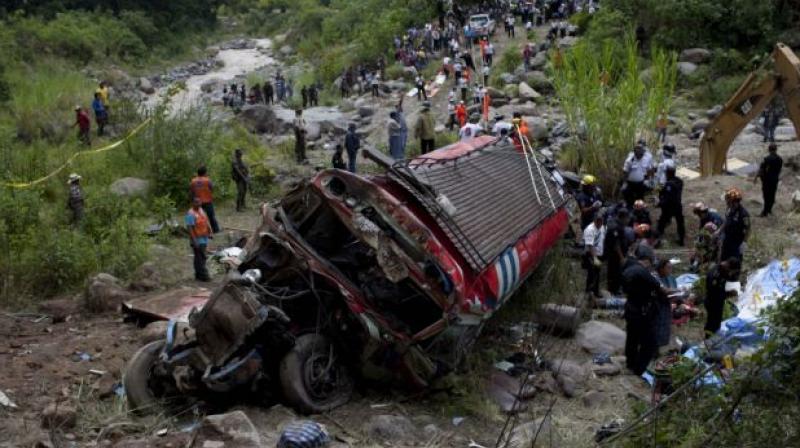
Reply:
x=767 y=286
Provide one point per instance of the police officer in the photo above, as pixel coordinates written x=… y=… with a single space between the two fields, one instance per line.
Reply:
x=716 y=278
x=670 y=201
x=769 y=172
x=736 y=227
x=589 y=199
x=615 y=248
x=643 y=291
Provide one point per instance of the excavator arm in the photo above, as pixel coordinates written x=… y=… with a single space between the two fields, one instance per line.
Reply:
x=747 y=103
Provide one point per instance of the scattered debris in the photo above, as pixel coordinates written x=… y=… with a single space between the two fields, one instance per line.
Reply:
x=600 y=337
x=6 y=402
x=304 y=434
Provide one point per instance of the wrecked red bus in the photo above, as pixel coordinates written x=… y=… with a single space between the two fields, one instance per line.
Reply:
x=357 y=276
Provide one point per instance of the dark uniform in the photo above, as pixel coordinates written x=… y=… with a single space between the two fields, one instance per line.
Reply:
x=715 y=298
x=585 y=200
x=643 y=291
x=769 y=172
x=241 y=175
x=614 y=244
x=710 y=216
x=736 y=227
x=670 y=201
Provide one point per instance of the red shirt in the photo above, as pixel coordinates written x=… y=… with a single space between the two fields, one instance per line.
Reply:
x=83 y=120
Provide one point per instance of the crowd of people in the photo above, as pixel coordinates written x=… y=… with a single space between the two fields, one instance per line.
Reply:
x=622 y=238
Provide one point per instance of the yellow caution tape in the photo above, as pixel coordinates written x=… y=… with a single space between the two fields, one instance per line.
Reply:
x=72 y=158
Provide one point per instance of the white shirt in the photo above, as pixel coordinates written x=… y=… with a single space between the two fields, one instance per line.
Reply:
x=637 y=168
x=470 y=130
x=499 y=126
x=485 y=70
x=593 y=237
x=661 y=171
x=490 y=49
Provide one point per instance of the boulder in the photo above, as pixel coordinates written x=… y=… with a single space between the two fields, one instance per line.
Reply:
x=366 y=111
x=146 y=86
x=210 y=85
x=59 y=416
x=104 y=293
x=568 y=42
x=146 y=278
x=261 y=119
x=511 y=91
x=508 y=78
x=600 y=337
x=593 y=399
x=526 y=109
x=686 y=68
x=500 y=102
x=495 y=93
x=538 y=433
x=231 y=430
x=714 y=111
x=796 y=200
x=286 y=50
x=527 y=92
x=537 y=126
x=130 y=187
x=692 y=116
x=609 y=369
x=398 y=430
x=59 y=309
x=539 y=82
x=785 y=134
x=538 y=61
x=699 y=126
x=313 y=131
x=396 y=85
x=695 y=55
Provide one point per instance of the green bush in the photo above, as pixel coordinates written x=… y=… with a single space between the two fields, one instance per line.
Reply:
x=509 y=60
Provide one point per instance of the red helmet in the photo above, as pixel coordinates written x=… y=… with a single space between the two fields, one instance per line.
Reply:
x=733 y=194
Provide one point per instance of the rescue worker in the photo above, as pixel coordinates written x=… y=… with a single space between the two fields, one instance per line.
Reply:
x=75 y=202
x=593 y=237
x=736 y=227
x=643 y=291
x=199 y=232
x=671 y=203
x=640 y=214
x=352 y=143
x=425 y=129
x=718 y=275
x=240 y=173
x=299 y=137
x=589 y=200
x=706 y=215
x=202 y=188
x=769 y=172
x=615 y=248
x=461 y=114
x=635 y=170
x=706 y=248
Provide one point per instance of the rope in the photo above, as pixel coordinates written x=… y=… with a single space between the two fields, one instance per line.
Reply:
x=72 y=158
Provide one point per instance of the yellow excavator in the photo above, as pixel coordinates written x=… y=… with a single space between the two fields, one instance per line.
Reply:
x=754 y=95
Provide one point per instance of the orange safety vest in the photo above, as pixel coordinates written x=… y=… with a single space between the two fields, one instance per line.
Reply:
x=201 y=227
x=461 y=114
x=201 y=189
x=487 y=102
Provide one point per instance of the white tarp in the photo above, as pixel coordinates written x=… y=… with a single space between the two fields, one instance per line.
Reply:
x=766 y=286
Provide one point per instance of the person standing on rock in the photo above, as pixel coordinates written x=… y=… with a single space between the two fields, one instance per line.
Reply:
x=75 y=202
x=395 y=133
x=772 y=118
x=422 y=95
x=376 y=84
x=84 y=125
x=268 y=93
x=199 y=232
x=240 y=173
x=289 y=90
x=352 y=143
x=425 y=129
x=104 y=93
x=313 y=96
x=736 y=227
x=643 y=291
x=202 y=188
x=769 y=172
x=243 y=94
x=300 y=137
x=304 y=95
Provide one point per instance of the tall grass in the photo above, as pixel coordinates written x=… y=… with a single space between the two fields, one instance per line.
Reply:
x=608 y=118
